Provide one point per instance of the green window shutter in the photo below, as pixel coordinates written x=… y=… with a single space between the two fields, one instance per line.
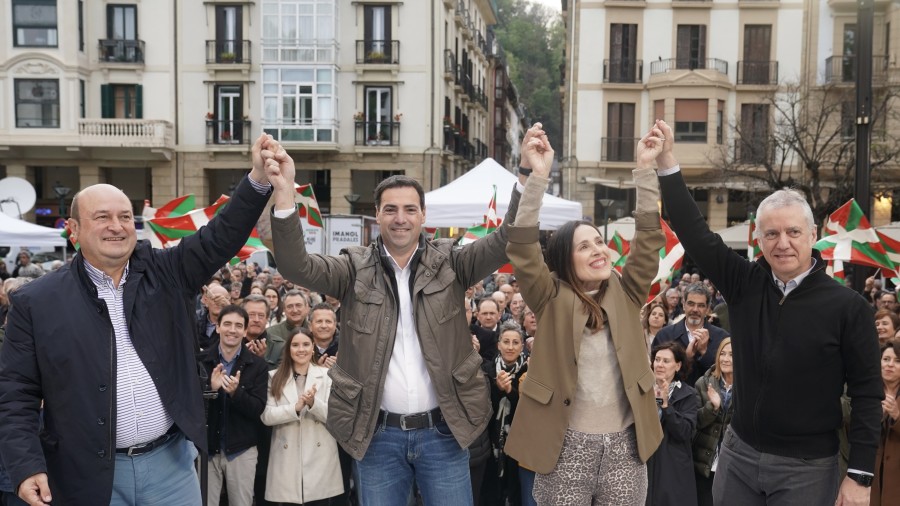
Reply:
x=107 y=104
x=139 y=101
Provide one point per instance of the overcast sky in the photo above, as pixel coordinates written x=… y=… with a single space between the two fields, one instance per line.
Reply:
x=553 y=4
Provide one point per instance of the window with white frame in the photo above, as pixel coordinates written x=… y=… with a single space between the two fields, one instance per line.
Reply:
x=34 y=23
x=299 y=104
x=299 y=31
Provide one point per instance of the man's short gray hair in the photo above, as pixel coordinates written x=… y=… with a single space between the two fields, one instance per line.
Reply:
x=698 y=288
x=784 y=198
x=255 y=298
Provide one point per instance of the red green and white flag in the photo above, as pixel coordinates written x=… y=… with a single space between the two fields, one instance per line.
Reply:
x=892 y=247
x=491 y=222
x=490 y=219
x=433 y=232
x=835 y=269
x=847 y=236
x=619 y=249
x=308 y=206
x=753 y=249
x=168 y=231
x=670 y=257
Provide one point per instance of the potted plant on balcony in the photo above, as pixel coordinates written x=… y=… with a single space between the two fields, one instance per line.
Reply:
x=384 y=138
x=376 y=57
x=359 y=116
x=226 y=137
x=227 y=57
x=398 y=117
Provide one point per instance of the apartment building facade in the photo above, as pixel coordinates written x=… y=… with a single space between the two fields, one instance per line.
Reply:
x=166 y=98
x=707 y=67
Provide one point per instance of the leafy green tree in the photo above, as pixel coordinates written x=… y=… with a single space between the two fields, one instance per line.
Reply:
x=533 y=38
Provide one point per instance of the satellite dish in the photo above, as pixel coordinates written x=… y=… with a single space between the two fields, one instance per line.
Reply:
x=17 y=196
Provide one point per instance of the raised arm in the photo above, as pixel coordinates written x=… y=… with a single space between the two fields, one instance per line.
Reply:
x=523 y=249
x=723 y=266
x=323 y=274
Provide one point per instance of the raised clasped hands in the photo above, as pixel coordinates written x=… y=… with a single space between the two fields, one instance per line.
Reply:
x=656 y=146
x=279 y=169
x=537 y=152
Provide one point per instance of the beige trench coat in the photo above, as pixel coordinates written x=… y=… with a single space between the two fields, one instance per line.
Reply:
x=303 y=462
x=547 y=393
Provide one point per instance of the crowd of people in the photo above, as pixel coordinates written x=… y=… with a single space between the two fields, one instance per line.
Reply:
x=555 y=385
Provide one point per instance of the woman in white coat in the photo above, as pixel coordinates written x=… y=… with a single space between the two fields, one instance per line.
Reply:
x=303 y=463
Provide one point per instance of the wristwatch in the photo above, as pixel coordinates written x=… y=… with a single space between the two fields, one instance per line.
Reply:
x=524 y=171
x=863 y=479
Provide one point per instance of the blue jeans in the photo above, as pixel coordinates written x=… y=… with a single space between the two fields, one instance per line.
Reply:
x=429 y=457
x=526 y=482
x=165 y=476
x=748 y=477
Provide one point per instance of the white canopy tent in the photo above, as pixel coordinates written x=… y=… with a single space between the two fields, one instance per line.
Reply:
x=736 y=236
x=624 y=226
x=464 y=202
x=15 y=232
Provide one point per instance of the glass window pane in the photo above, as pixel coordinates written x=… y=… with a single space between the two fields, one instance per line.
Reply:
x=323 y=89
x=323 y=135
x=325 y=109
x=297 y=75
x=323 y=75
x=270 y=108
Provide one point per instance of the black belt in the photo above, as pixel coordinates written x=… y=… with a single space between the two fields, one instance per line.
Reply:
x=134 y=451
x=423 y=420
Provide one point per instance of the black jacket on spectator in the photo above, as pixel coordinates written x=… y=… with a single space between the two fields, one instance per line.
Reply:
x=671 y=469
x=488 y=339
x=699 y=364
x=237 y=415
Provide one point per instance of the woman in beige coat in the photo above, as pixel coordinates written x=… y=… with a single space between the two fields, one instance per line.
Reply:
x=303 y=463
x=587 y=419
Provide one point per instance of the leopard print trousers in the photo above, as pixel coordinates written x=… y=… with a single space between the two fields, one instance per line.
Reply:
x=595 y=469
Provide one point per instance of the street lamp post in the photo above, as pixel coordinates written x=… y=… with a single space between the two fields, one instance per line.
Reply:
x=352 y=199
x=606 y=204
x=62 y=192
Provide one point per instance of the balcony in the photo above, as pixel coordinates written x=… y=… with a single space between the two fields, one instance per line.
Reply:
x=623 y=71
x=378 y=51
x=450 y=65
x=228 y=52
x=121 y=51
x=663 y=66
x=757 y=72
x=126 y=133
x=377 y=133
x=617 y=149
x=842 y=69
x=227 y=132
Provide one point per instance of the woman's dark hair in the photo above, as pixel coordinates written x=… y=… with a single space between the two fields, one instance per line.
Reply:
x=891 y=344
x=286 y=367
x=645 y=319
x=559 y=260
x=680 y=357
x=278 y=312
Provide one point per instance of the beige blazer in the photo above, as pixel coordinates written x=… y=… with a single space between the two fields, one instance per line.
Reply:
x=546 y=394
x=303 y=462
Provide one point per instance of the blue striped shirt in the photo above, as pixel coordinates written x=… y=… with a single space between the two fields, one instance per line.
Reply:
x=140 y=414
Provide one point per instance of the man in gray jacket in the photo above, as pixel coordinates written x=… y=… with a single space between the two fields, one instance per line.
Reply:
x=408 y=394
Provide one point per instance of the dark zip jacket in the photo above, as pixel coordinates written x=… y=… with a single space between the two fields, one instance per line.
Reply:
x=60 y=347
x=792 y=354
